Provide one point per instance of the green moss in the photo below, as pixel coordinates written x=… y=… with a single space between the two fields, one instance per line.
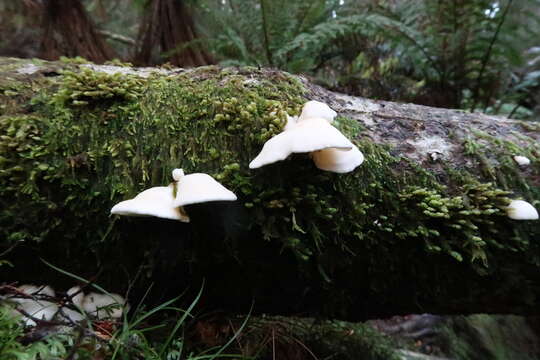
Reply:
x=118 y=62
x=530 y=125
x=463 y=224
x=78 y=60
x=87 y=87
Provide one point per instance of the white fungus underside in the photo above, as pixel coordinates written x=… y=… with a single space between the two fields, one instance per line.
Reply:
x=156 y=201
x=337 y=160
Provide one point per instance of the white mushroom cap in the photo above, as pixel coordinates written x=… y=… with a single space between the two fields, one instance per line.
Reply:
x=337 y=160
x=521 y=210
x=37 y=290
x=157 y=201
x=307 y=136
x=104 y=305
x=291 y=122
x=522 y=160
x=317 y=109
x=177 y=174
x=77 y=301
x=198 y=188
x=39 y=309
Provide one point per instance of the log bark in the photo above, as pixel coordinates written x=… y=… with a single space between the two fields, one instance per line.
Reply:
x=419 y=227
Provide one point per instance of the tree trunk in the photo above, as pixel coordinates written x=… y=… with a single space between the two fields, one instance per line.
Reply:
x=68 y=31
x=420 y=226
x=168 y=26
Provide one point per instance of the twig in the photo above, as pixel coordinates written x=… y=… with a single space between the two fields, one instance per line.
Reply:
x=38 y=321
x=514 y=110
x=9 y=249
x=117 y=37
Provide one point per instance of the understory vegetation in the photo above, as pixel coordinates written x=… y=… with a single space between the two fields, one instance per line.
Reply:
x=168 y=332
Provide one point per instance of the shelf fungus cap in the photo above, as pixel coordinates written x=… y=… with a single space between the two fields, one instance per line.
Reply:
x=77 y=297
x=199 y=188
x=305 y=137
x=522 y=160
x=291 y=122
x=338 y=160
x=177 y=174
x=40 y=309
x=157 y=201
x=317 y=109
x=521 y=210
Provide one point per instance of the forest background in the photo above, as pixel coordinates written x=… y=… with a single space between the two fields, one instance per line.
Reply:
x=477 y=55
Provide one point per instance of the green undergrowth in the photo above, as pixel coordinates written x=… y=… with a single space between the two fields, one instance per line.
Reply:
x=150 y=334
x=92 y=139
x=489 y=337
x=175 y=329
x=11 y=348
x=279 y=337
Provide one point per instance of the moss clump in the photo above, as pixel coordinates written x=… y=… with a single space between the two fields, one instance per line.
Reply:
x=11 y=92
x=118 y=62
x=455 y=225
x=494 y=159
x=24 y=164
x=86 y=87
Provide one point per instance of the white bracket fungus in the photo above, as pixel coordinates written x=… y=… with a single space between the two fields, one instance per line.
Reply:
x=77 y=298
x=435 y=154
x=291 y=122
x=307 y=136
x=338 y=160
x=521 y=210
x=101 y=306
x=157 y=201
x=199 y=188
x=168 y=201
x=312 y=133
x=522 y=160
x=316 y=109
x=39 y=309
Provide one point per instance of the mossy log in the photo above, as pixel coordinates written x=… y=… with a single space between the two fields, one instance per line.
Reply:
x=420 y=226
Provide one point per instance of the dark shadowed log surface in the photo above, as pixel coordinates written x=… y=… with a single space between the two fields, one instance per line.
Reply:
x=420 y=226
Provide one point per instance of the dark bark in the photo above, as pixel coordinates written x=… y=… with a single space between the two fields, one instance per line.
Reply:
x=168 y=28
x=69 y=31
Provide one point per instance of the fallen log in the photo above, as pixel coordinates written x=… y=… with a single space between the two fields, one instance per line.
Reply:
x=420 y=226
